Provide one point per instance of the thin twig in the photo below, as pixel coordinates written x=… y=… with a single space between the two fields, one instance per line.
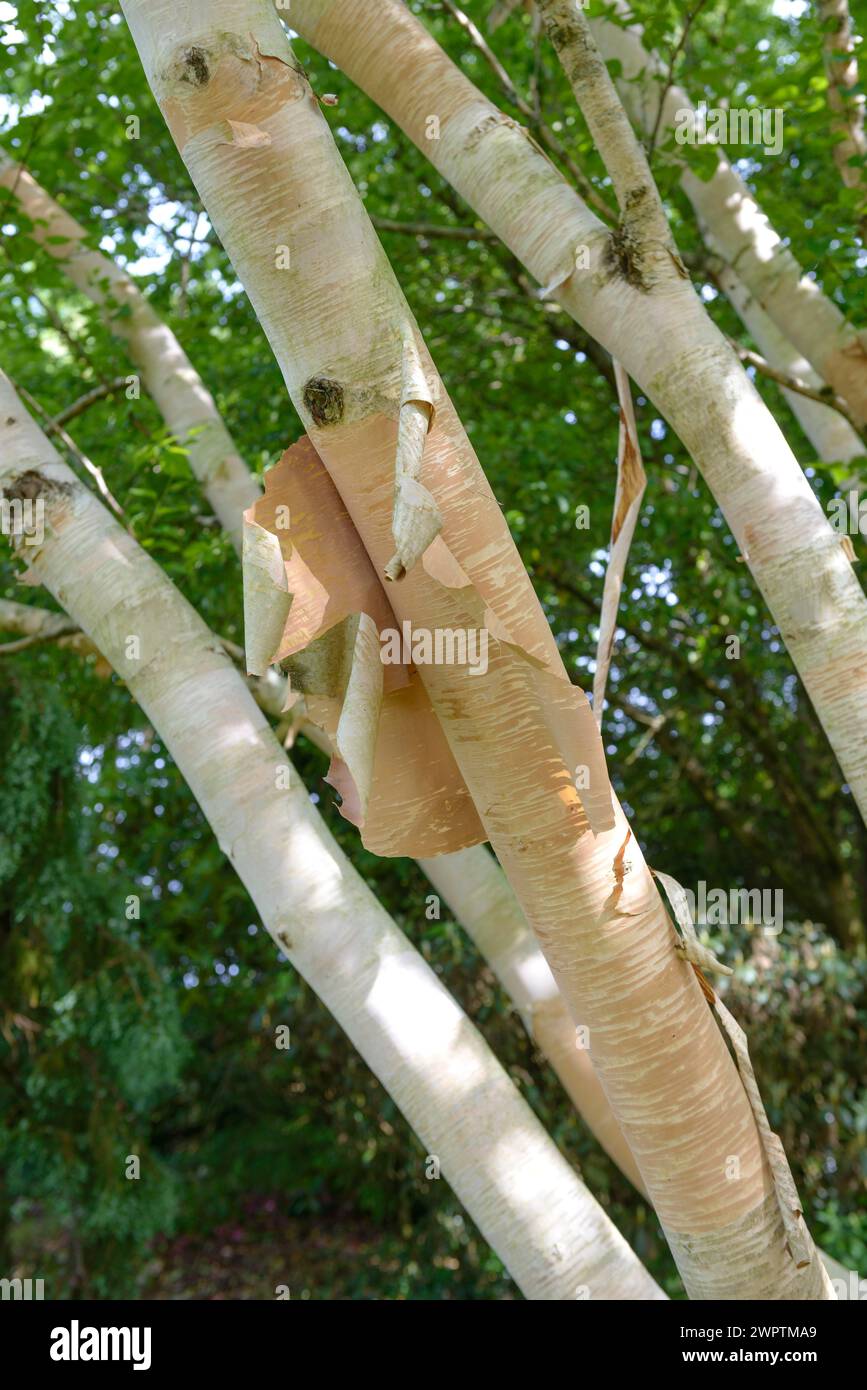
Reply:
x=542 y=130
x=37 y=639
x=688 y=23
x=432 y=229
x=647 y=737
x=794 y=383
x=51 y=427
x=41 y=625
x=98 y=393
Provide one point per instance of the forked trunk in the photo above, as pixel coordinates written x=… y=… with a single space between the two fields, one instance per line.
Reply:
x=553 y=1237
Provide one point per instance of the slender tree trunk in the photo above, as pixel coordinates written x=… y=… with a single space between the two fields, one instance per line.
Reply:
x=477 y=891
x=845 y=101
x=550 y=1233
x=633 y=299
x=745 y=237
x=265 y=165
x=828 y=431
x=181 y=396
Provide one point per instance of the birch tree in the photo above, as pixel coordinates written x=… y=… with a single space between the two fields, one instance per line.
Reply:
x=728 y=211
x=469 y=880
x=829 y=432
x=475 y=889
x=167 y=373
x=256 y=145
x=551 y=1234
x=633 y=295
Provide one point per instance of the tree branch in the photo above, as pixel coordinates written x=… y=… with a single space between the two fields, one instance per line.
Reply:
x=642 y=215
x=98 y=393
x=433 y=229
x=52 y=427
x=794 y=383
x=531 y=116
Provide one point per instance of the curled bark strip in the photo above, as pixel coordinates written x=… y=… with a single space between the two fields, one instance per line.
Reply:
x=341 y=676
x=631 y=482
x=390 y=762
x=355 y=739
x=798 y=1237
x=416 y=518
x=245 y=135
x=266 y=597
x=689 y=946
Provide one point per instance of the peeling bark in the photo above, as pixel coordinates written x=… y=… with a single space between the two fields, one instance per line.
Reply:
x=663 y=338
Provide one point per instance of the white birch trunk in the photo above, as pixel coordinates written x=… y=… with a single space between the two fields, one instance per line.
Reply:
x=551 y=1234
x=660 y=333
x=828 y=431
x=478 y=893
x=178 y=391
x=728 y=211
x=257 y=147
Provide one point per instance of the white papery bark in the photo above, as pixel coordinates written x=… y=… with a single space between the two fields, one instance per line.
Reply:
x=478 y=893
x=726 y=208
x=828 y=431
x=252 y=135
x=551 y=1234
x=178 y=391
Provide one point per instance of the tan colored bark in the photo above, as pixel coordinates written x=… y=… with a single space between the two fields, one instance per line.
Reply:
x=634 y=300
x=553 y=1237
x=179 y=393
x=340 y=330
x=390 y=761
x=628 y=492
x=477 y=891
